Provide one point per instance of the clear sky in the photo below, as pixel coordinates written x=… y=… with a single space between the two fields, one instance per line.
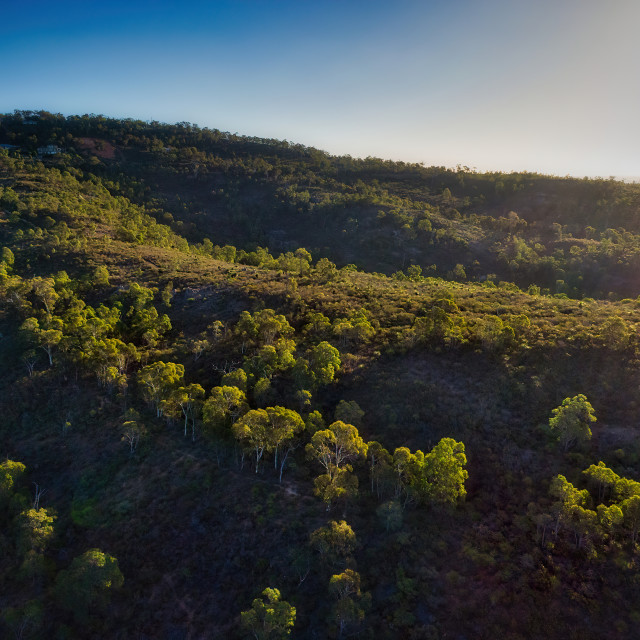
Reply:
x=541 y=85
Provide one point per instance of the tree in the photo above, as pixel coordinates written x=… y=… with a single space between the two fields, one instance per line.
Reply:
x=336 y=446
x=246 y=330
x=602 y=477
x=339 y=484
x=318 y=324
x=100 y=277
x=582 y=522
x=444 y=472
x=35 y=530
x=571 y=420
x=348 y=610
x=236 y=378
x=158 y=381
x=615 y=333
x=145 y=322
x=262 y=391
x=285 y=424
x=189 y=399
x=610 y=518
x=131 y=432
x=303 y=396
x=271 y=358
x=7 y=256
x=335 y=542
x=324 y=362
x=345 y=584
x=87 y=583
x=414 y=272
x=262 y=328
x=268 y=430
x=314 y=422
x=44 y=289
x=10 y=472
x=222 y=408
x=408 y=469
x=495 y=334
x=269 y=617
x=252 y=429
x=355 y=330
x=108 y=353
x=349 y=411
x=624 y=488
x=46 y=339
x=435 y=327
x=567 y=498
x=325 y=269
x=379 y=467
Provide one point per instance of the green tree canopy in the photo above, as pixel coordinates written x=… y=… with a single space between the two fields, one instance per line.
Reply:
x=189 y=399
x=603 y=478
x=158 y=381
x=335 y=542
x=571 y=420
x=324 y=362
x=349 y=411
x=87 y=583
x=444 y=472
x=269 y=618
x=267 y=430
x=35 y=530
x=349 y=610
x=336 y=446
x=10 y=472
x=222 y=408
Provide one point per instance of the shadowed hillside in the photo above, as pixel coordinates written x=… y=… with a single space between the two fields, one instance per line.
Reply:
x=405 y=397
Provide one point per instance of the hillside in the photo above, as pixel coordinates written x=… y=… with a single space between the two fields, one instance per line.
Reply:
x=578 y=237
x=233 y=364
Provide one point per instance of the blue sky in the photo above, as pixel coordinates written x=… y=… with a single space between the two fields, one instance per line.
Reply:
x=549 y=86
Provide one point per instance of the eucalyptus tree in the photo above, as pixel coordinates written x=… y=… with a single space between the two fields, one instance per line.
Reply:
x=10 y=474
x=268 y=430
x=87 y=584
x=158 y=381
x=571 y=421
x=602 y=477
x=568 y=498
x=380 y=465
x=444 y=472
x=348 y=612
x=334 y=449
x=334 y=542
x=47 y=337
x=220 y=410
x=189 y=399
x=35 y=530
x=269 y=618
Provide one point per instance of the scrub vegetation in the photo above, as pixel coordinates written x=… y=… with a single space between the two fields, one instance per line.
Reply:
x=253 y=390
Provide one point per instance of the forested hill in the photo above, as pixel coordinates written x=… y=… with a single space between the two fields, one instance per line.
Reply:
x=566 y=235
x=253 y=390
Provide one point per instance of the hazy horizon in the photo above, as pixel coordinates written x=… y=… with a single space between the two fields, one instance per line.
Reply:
x=545 y=87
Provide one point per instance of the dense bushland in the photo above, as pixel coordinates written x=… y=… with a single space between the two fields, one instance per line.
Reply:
x=205 y=437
